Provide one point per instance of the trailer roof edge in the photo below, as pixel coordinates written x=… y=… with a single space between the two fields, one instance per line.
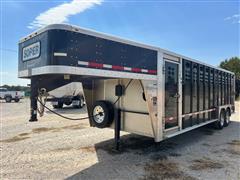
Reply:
x=89 y=32
x=114 y=38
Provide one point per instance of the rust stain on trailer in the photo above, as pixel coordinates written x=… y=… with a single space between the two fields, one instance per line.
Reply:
x=205 y=163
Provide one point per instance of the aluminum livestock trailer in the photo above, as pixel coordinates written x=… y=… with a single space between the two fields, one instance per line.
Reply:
x=131 y=86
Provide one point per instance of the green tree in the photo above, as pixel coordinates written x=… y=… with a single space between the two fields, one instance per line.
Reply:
x=232 y=64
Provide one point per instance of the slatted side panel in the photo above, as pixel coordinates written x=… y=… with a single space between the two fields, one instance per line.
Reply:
x=204 y=89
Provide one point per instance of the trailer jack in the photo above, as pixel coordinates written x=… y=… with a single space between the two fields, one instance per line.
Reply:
x=33 y=99
x=117 y=118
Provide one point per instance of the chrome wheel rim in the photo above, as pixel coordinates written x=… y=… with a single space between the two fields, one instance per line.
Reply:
x=98 y=114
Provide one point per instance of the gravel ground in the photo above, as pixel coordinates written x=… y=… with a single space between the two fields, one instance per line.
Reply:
x=55 y=148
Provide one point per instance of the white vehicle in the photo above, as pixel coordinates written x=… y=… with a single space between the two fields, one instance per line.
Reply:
x=131 y=86
x=70 y=94
x=11 y=95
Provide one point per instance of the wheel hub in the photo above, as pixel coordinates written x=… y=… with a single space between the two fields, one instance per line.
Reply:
x=98 y=114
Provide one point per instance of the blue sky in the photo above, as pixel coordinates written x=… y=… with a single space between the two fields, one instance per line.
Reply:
x=203 y=30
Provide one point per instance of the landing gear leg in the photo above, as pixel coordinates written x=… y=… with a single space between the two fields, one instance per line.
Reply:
x=117 y=128
x=33 y=99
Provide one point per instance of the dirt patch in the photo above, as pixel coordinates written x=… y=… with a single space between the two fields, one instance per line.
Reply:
x=164 y=169
x=56 y=130
x=63 y=149
x=89 y=149
x=234 y=148
x=205 y=163
x=205 y=144
x=208 y=132
x=74 y=127
x=175 y=154
x=157 y=157
x=42 y=129
x=71 y=127
x=234 y=151
x=23 y=134
x=235 y=142
x=14 y=139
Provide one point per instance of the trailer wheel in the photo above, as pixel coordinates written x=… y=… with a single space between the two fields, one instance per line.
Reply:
x=16 y=100
x=81 y=104
x=102 y=114
x=227 y=118
x=58 y=106
x=220 y=123
x=68 y=103
x=8 y=99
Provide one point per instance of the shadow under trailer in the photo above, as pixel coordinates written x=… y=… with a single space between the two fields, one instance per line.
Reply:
x=126 y=85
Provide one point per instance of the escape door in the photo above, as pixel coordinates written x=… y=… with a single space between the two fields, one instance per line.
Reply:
x=171 y=93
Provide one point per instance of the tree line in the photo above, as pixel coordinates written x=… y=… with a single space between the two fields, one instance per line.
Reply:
x=26 y=89
x=233 y=64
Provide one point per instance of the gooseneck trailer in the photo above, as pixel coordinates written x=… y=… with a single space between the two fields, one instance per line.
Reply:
x=131 y=86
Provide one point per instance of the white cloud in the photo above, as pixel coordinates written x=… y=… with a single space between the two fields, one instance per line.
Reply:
x=62 y=12
x=234 y=18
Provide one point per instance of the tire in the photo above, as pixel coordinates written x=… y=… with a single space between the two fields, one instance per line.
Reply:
x=16 y=100
x=8 y=99
x=58 y=106
x=219 y=124
x=102 y=114
x=80 y=99
x=227 y=118
x=68 y=103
